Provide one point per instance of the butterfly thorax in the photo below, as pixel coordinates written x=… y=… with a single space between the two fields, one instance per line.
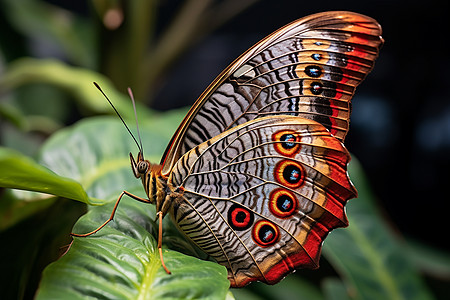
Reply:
x=155 y=184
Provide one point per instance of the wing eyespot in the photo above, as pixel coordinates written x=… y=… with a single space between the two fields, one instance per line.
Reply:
x=282 y=203
x=265 y=233
x=240 y=218
x=286 y=142
x=290 y=174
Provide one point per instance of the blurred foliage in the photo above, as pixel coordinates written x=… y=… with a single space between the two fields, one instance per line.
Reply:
x=49 y=57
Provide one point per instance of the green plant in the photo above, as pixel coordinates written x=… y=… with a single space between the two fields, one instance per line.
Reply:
x=88 y=162
x=125 y=251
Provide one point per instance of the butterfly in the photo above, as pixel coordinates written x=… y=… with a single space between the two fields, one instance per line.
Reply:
x=256 y=174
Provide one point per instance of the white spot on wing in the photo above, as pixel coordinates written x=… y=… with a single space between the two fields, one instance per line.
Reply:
x=245 y=70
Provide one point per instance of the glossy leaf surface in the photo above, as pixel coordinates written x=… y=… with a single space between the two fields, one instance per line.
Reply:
x=122 y=262
x=21 y=172
x=125 y=250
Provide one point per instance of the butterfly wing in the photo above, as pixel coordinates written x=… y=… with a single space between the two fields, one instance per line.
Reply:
x=309 y=68
x=261 y=197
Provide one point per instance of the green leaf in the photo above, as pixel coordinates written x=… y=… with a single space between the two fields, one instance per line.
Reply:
x=20 y=172
x=95 y=152
x=428 y=259
x=367 y=254
x=14 y=209
x=122 y=262
x=12 y=114
x=335 y=290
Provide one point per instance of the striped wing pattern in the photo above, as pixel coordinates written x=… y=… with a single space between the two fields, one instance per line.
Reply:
x=309 y=68
x=261 y=197
x=258 y=164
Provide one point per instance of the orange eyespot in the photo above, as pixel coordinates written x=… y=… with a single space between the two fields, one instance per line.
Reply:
x=286 y=142
x=265 y=233
x=282 y=203
x=239 y=218
x=289 y=173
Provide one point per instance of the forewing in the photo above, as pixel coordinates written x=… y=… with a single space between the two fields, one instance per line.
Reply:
x=309 y=68
x=261 y=197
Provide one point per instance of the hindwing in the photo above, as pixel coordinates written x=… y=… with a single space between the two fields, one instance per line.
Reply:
x=261 y=197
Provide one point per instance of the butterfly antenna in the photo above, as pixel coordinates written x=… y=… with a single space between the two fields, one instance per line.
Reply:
x=125 y=124
x=130 y=92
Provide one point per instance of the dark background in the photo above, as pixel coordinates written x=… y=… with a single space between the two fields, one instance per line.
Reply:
x=400 y=126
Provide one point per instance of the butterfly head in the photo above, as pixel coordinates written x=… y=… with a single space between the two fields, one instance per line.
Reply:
x=140 y=166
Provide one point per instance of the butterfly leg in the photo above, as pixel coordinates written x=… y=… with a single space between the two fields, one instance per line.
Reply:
x=160 y=217
x=113 y=213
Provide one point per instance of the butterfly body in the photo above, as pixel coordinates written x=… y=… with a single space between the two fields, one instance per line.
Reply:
x=256 y=174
